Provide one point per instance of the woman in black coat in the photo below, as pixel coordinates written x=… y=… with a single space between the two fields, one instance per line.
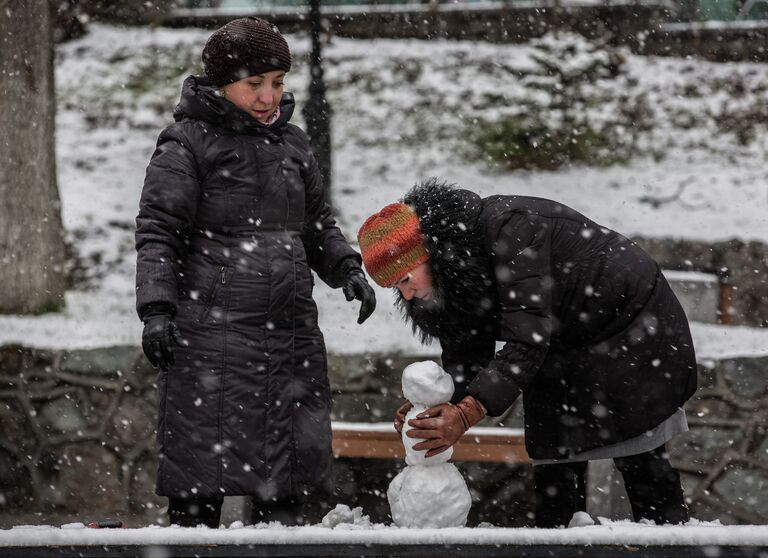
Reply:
x=232 y=222
x=593 y=337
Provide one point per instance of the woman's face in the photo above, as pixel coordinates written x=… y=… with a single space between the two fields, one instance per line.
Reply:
x=417 y=283
x=257 y=95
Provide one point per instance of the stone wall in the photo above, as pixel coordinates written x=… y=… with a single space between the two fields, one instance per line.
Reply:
x=503 y=22
x=76 y=432
x=719 y=42
x=76 y=441
x=647 y=27
x=724 y=456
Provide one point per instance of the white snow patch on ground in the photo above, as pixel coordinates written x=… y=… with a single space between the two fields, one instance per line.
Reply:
x=608 y=533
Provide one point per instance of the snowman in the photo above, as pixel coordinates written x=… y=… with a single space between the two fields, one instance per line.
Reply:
x=429 y=492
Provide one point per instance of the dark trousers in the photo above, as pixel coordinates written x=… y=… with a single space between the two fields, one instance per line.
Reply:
x=191 y=512
x=289 y=512
x=652 y=485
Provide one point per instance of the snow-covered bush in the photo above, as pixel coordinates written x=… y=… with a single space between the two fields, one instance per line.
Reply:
x=528 y=143
x=570 y=111
x=743 y=116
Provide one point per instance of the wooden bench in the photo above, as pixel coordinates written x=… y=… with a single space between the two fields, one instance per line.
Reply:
x=379 y=440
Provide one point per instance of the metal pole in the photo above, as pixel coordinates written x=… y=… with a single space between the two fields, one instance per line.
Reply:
x=317 y=111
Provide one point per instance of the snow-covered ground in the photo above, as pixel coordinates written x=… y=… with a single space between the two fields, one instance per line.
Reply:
x=399 y=108
x=362 y=532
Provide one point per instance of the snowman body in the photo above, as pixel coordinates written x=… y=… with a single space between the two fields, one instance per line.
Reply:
x=428 y=492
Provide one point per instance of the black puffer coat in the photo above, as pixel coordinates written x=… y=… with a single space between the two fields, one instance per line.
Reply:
x=232 y=218
x=595 y=339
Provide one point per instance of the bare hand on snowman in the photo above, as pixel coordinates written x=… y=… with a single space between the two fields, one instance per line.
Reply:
x=441 y=426
x=400 y=415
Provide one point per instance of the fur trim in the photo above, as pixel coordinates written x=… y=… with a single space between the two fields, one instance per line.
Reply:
x=463 y=298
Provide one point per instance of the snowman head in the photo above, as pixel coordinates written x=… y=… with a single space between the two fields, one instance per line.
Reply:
x=427 y=383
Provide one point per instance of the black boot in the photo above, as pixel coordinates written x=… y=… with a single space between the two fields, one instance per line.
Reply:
x=287 y=512
x=653 y=487
x=191 y=512
x=560 y=492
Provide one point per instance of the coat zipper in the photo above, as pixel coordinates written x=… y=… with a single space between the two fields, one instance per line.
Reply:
x=209 y=303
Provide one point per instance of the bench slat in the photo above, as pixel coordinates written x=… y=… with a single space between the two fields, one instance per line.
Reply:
x=377 y=444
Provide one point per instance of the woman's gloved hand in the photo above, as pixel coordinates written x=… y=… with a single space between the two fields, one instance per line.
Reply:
x=160 y=335
x=400 y=415
x=355 y=286
x=441 y=426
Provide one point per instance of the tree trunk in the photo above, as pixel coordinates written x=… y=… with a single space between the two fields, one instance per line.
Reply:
x=32 y=249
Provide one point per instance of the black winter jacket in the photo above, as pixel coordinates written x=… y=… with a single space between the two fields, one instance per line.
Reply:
x=231 y=222
x=594 y=338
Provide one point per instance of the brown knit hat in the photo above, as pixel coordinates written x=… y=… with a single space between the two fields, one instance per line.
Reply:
x=244 y=47
x=392 y=244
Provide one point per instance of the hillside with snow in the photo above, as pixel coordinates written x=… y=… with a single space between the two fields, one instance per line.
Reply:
x=402 y=111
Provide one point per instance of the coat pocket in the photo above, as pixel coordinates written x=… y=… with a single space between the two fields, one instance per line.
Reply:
x=218 y=283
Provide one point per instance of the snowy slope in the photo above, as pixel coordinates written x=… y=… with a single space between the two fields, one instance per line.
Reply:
x=399 y=107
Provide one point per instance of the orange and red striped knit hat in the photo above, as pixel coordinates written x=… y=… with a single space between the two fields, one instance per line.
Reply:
x=392 y=244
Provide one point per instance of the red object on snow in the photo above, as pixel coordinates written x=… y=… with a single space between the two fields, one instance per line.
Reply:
x=106 y=524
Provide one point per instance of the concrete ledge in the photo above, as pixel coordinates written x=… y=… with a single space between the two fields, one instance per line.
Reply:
x=614 y=540
x=391 y=551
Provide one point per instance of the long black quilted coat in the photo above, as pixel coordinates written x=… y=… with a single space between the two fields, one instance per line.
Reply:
x=232 y=218
x=594 y=338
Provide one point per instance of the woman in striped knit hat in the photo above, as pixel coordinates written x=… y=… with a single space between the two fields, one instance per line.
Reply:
x=593 y=337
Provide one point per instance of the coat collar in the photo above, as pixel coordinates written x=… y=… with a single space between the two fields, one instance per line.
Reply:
x=201 y=100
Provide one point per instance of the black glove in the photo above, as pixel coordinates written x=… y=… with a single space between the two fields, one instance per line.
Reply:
x=356 y=287
x=159 y=336
x=350 y=276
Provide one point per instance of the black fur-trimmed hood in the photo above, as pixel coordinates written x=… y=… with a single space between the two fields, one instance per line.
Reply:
x=461 y=274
